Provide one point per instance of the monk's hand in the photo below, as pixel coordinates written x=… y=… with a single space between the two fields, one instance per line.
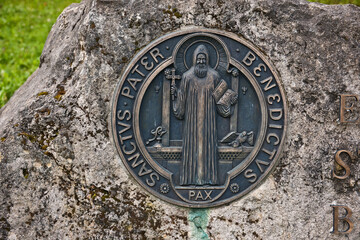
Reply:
x=173 y=89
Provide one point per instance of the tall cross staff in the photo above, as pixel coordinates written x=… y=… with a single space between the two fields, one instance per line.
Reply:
x=170 y=75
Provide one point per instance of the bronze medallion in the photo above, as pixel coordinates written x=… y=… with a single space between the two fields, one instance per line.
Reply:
x=199 y=117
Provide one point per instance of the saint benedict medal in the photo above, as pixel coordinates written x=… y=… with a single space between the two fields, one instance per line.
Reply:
x=199 y=117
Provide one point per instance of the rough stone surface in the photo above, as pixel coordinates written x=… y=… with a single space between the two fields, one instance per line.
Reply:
x=60 y=175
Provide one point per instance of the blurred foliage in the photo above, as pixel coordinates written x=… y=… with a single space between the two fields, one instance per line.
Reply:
x=355 y=2
x=24 y=26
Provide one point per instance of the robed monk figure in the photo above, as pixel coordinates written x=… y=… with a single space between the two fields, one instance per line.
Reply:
x=196 y=104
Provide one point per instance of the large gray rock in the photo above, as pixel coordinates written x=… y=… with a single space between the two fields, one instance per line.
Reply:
x=61 y=177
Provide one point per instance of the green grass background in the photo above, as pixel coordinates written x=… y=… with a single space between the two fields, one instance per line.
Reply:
x=24 y=26
x=355 y=2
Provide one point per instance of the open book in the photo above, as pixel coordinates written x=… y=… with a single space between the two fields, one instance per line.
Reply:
x=224 y=98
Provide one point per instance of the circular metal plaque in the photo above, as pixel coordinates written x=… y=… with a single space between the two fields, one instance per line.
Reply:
x=199 y=117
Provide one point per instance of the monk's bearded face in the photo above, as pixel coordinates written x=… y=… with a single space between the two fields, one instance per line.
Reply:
x=201 y=67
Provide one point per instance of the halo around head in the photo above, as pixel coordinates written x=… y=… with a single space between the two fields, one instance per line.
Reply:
x=185 y=47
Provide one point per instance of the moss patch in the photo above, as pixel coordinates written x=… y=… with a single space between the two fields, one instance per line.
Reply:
x=199 y=219
x=42 y=94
